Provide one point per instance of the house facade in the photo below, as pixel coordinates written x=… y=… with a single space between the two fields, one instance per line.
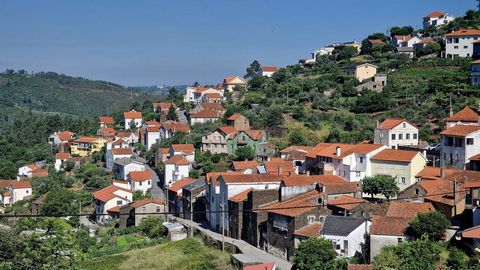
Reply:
x=354 y=164
x=132 y=214
x=395 y=132
x=362 y=71
x=239 y=122
x=475 y=73
x=252 y=138
x=460 y=43
x=229 y=83
x=435 y=19
x=132 y=119
x=458 y=144
x=86 y=146
x=216 y=142
x=176 y=168
x=107 y=202
x=140 y=180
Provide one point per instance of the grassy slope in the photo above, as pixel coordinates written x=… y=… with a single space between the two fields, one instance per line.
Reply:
x=182 y=255
x=62 y=94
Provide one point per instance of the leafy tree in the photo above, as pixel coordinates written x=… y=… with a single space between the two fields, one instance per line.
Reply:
x=296 y=137
x=316 y=254
x=7 y=169
x=152 y=227
x=380 y=184
x=252 y=70
x=60 y=202
x=418 y=254
x=457 y=259
x=380 y=36
x=244 y=153
x=402 y=31
x=172 y=114
x=344 y=53
x=172 y=94
x=138 y=195
x=68 y=165
x=432 y=225
x=432 y=48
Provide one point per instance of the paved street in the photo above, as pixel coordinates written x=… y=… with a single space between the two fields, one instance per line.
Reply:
x=252 y=253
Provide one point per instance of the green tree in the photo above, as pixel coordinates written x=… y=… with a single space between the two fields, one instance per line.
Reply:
x=252 y=70
x=402 y=31
x=418 y=254
x=296 y=137
x=172 y=114
x=380 y=184
x=7 y=169
x=152 y=227
x=432 y=225
x=60 y=202
x=316 y=254
x=244 y=153
x=172 y=94
x=457 y=259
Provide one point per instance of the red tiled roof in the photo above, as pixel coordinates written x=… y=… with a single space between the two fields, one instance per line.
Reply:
x=206 y=113
x=142 y=202
x=164 y=106
x=227 y=130
x=122 y=151
x=395 y=155
x=376 y=41
x=152 y=123
x=115 y=209
x=65 y=135
x=351 y=266
x=212 y=106
x=231 y=79
x=119 y=142
x=86 y=140
x=345 y=202
x=107 y=132
x=177 y=160
x=107 y=193
x=464 y=32
x=140 y=176
x=188 y=149
x=390 y=123
x=434 y=173
x=213 y=95
x=294 y=206
x=243 y=165
x=440 y=191
x=312 y=230
x=249 y=178
x=234 y=117
x=20 y=184
x=269 y=69
x=402 y=37
x=153 y=128
x=473 y=232
x=408 y=209
x=106 y=120
x=275 y=165
x=62 y=155
x=6 y=194
x=362 y=148
x=263 y=266
x=132 y=115
x=460 y=130
x=240 y=197
x=178 y=185
x=212 y=177
x=175 y=126
x=5 y=183
x=40 y=172
x=464 y=115
x=328 y=149
x=435 y=14
x=394 y=226
x=295 y=148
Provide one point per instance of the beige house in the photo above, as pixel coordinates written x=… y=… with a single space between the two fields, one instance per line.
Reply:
x=401 y=164
x=216 y=142
x=394 y=132
x=230 y=82
x=132 y=214
x=362 y=71
x=239 y=122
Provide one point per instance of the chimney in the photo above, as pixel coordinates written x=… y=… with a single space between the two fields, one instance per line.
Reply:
x=308 y=173
x=455 y=196
x=279 y=169
x=442 y=172
x=338 y=151
x=378 y=123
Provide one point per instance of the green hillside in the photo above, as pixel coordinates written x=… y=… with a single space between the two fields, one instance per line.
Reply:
x=22 y=94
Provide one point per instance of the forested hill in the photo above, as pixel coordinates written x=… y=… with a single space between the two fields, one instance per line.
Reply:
x=23 y=94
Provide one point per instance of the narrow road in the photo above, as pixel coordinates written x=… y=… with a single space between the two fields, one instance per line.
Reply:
x=253 y=253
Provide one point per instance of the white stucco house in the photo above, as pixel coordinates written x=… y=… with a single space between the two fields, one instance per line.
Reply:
x=107 y=202
x=267 y=71
x=116 y=153
x=140 y=180
x=123 y=166
x=460 y=43
x=176 y=168
x=436 y=18
x=394 y=132
x=458 y=144
x=132 y=118
x=19 y=190
x=347 y=233
x=60 y=159
x=185 y=150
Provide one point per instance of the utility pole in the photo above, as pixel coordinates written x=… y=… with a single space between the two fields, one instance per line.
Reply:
x=191 y=215
x=223 y=224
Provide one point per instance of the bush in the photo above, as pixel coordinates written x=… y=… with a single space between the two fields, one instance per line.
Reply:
x=152 y=227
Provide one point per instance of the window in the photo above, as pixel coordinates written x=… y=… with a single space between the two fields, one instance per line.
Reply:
x=414 y=136
x=455 y=47
x=400 y=136
x=403 y=181
x=357 y=174
x=119 y=202
x=144 y=209
x=465 y=47
x=26 y=191
x=361 y=159
x=311 y=219
x=400 y=240
x=140 y=183
x=407 y=136
x=404 y=125
x=158 y=209
x=149 y=182
x=470 y=141
x=393 y=137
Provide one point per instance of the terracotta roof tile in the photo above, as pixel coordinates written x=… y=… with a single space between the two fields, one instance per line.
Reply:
x=276 y=165
x=106 y=132
x=362 y=148
x=250 y=178
x=164 y=106
x=106 y=120
x=115 y=209
x=232 y=79
x=263 y=266
x=390 y=123
x=187 y=149
x=65 y=135
x=177 y=160
x=107 y=193
x=295 y=148
x=206 y=113
x=294 y=206
x=86 y=140
x=140 y=176
x=393 y=226
x=234 y=117
x=122 y=151
x=242 y=196
x=473 y=232
x=20 y=184
x=376 y=41
x=408 y=209
x=464 y=115
x=62 y=155
x=328 y=149
x=311 y=230
x=460 y=130
x=178 y=185
x=435 y=14
x=243 y=165
x=395 y=155
x=228 y=130
x=255 y=134
x=142 y=202
x=464 y=32
x=212 y=106
x=132 y=115
x=269 y=69
x=345 y=202
x=434 y=173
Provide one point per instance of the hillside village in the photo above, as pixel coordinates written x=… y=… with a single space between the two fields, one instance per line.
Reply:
x=340 y=147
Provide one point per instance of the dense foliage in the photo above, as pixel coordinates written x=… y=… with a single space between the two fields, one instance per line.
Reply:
x=431 y=225
x=317 y=254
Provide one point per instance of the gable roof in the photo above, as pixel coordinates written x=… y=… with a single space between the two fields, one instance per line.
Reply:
x=20 y=184
x=434 y=173
x=176 y=126
x=234 y=117
x=142 y=202
x=390 y=123
x=294 y=206
x=132 y=115
x=402 y=37
x=206 y=113
x=464 y=32
x=106 y=120
x=394 y=226
x=240 y=197
x=473 y=232
x=376 y=41
x=249 y=178
x=300 y=148
x=122 y=151
x=466 y=114
x=106 y=131
x=311 y=230
x=328 y=149
x=65 y=135
x=227 y=130
x=361 y=148
x=460 y=130
x=408 y=209
x=177 y=160
x=140 y=176
x=268 y=69
x=187 y=148
x=341 y=225
x=212 y=106
x=278 y=165
x=345 y=202
x=178 y=185
x=263 y=266
x=86 y=140
x=243 y=165
x=395 y=155
x=107 y=193
x=62 y=155
x=164 y=106
x=435 y=14
x=255 y=134
x=232 y=79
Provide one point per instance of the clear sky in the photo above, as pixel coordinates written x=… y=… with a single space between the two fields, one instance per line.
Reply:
x=146 y=42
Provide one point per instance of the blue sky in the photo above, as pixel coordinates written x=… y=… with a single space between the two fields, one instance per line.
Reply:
x=178 y=42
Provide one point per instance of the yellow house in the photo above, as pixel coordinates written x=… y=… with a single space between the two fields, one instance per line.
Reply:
x=229 y=83
x=401 y=164
x=86 y=146
x=362 y=71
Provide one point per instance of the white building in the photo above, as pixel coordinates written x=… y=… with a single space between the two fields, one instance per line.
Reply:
x=185 y=150
x=18 y=190
x=354 y=164
x=347 y=234
x=60 y=159
x=107 y=202
x=205 y=116
x=396 y=132
x=458 y=144
x=140 y=180
x=132 y=118
x=60 y=137
x=267 y=71
x=466 y=116
x=436 y=18
x=231 y=82
x=460 y=43
x=123 y=166
x=152 y=136
x=176 y=168
x=404 y=41
x=116 y=153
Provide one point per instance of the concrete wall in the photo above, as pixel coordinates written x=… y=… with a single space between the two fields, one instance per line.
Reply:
x=379 y=241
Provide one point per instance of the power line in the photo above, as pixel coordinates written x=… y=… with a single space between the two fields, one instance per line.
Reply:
x=261 y=209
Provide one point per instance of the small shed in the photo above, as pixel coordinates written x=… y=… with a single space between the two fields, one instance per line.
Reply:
x=175 y=231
